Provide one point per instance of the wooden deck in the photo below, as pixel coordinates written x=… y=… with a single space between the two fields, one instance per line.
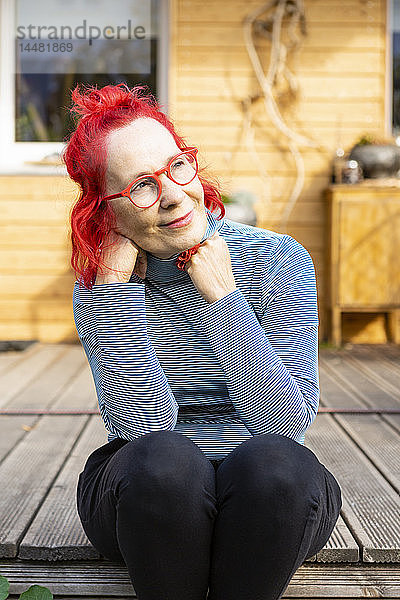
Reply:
x=41 y=538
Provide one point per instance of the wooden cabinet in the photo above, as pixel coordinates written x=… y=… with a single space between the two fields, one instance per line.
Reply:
x=363 y=254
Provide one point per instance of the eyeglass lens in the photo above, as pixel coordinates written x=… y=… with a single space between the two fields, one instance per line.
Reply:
x=145 y=191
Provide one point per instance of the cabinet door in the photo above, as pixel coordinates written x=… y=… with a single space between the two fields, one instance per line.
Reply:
x=369 y=252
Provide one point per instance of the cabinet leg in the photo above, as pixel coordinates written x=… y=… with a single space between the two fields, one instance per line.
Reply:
x=336 y=327
x=393 y=319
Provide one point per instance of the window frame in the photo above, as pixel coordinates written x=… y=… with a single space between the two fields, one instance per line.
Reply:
x=13 y=154
x=389 y=69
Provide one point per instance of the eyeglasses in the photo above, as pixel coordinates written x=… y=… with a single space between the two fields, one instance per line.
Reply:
x=146 y=190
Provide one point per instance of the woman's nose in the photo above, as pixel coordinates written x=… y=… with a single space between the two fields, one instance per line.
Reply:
x=171 y=192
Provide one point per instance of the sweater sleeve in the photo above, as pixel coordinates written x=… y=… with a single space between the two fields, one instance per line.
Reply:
x=271 y=363
x=132 y=390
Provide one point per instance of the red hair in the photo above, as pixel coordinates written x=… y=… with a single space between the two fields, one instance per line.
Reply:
x=100 y=111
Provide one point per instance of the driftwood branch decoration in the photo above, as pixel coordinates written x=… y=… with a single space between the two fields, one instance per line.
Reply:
x=271 y=20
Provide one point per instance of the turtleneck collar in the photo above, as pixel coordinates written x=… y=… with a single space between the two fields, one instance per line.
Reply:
x=165 y=269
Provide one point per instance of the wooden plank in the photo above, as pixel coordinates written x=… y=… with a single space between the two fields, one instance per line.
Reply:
x=40 y=211
x=56 y=532
x=379 y=441
x=342 y=87
x=229 y=111
x=40 y=260
x=378 y=368
x=12 y=430
x=342 y=61
x=329 y=13
x=48 y=309
x=111 y=580
x=43 y=285
x=40 y=236
x=49 y=332
x=364 y=389
x=45 y=387
x=19 y=376
x=341 y=546
x=52 y=186
x=80 y=391
x=335 y=392
x=27 y=473
x=385 y=371
x=10 y=359
x=222 y=37
x=240 y=162
x=366 y=494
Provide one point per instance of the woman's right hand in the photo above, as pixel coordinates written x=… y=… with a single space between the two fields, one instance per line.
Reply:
x=120 y=252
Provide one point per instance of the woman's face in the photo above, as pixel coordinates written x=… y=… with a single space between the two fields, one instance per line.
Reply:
x=145 y=146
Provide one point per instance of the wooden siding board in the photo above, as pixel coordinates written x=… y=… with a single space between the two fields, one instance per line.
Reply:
x=225 y=36
x=338 y=12
x=40 y=236
x=52 y=332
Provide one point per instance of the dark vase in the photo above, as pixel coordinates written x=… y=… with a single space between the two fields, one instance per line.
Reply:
x=377 y=160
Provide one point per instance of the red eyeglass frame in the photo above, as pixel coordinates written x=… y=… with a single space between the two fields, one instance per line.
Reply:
x=190 y=150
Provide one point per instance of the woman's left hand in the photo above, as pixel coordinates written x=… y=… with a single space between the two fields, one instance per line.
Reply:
x=210 y=269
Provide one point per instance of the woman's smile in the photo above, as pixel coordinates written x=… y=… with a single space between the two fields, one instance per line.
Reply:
x=185 y=220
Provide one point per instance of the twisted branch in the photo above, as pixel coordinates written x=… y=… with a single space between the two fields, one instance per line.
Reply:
x=276 y=70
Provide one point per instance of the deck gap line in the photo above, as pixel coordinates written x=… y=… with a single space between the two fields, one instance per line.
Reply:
x=7 y=454
x=40 y=372
x=338 y=419
x=394 y=426
x=68 y=384
x=67 y=457
x=44 y=497
x=389 y=388
x=345 y=385
x=346 y=504
x=365 y=452
x=73 y=378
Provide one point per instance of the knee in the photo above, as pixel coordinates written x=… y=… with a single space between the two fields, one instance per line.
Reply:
x=271 y=465
x=162 y=459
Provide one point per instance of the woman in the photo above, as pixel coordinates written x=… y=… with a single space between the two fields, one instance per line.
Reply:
x=202 y=337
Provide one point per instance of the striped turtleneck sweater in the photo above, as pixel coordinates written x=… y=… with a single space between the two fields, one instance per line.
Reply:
x=220 y=372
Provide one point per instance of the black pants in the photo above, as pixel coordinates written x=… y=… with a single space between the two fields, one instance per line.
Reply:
x=182 y=525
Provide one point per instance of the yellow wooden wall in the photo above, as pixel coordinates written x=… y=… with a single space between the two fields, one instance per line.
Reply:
x=36 y=278
x=340 y=70
x=341 y=74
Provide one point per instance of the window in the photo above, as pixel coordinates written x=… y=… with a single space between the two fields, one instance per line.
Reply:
x=394 y=20
x=48 y=46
